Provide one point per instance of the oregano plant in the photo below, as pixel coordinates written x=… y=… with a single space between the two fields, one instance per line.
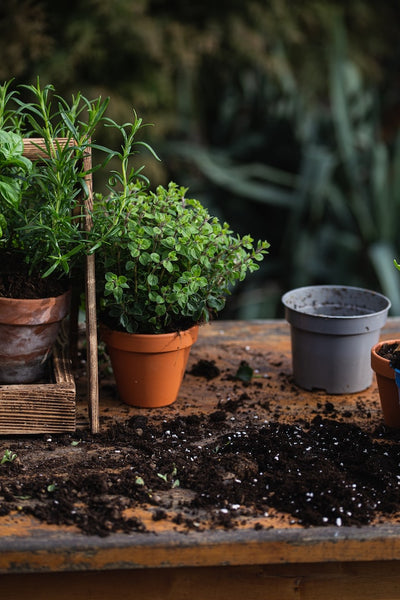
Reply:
x=164 y=263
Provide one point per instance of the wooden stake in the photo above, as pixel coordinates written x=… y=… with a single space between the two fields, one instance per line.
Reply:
x=91 y=317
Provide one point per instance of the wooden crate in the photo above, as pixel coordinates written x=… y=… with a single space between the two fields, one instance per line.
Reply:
x=51 y=407
x=41 y=407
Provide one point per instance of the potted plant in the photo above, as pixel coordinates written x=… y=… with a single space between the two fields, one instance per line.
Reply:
x=332 y=331
x=164 y=266
x=385 y=362
x=41 y=238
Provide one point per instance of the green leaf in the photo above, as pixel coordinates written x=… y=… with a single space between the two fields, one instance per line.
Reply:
x=168 y=242
x=8 y=456
x=196 y=271
x=160 y=310
x=144 y=259
x=173 y=297
x=154 y=297
x=118 y=294
x=244 y=372
x=216 y=303
x=134 y=251
x=168 y=266
x=152 y=279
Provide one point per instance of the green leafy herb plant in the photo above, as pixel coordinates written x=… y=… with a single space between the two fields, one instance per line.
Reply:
x=164 y=266
x=8 y=457
x=164 y=262
x=38 y=223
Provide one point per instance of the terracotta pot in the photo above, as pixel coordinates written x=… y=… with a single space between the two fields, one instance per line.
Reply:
x=149 y=369
x=388 y=390
x=28 y=330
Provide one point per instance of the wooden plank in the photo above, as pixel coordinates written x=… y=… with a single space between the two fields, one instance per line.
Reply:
x=358 y=581
x=27 y=545
x=41 y=407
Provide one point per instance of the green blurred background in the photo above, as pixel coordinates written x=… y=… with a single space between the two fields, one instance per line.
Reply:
x=281 y=116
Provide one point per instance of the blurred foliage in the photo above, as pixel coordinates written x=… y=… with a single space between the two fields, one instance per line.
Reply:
x=282 y=116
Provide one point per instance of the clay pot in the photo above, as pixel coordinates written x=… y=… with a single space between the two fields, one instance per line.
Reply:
x=332 y=331
x=149 y=369
x=28 y=330
x=388 y=390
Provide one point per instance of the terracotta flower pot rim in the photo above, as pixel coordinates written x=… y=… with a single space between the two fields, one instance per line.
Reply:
x=379 y=364
x=34 y=311
x=149 y=342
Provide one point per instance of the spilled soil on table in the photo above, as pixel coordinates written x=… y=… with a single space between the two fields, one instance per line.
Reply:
x=240 y=463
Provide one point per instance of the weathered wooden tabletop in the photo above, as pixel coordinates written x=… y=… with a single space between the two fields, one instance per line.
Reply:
x=282 y=561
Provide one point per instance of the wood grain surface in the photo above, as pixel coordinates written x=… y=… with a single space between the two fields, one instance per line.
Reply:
x=280 y=561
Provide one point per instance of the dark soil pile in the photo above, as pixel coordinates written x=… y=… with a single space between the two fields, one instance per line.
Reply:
x=205 y=472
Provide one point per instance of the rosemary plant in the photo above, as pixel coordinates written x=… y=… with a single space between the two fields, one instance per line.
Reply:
x=37 y=216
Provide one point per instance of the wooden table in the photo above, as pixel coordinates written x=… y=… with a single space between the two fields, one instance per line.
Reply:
x=283 y=562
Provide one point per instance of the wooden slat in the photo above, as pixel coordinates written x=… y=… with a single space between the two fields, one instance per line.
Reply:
x=43 y=407
x=360 y=581
x=35 y=148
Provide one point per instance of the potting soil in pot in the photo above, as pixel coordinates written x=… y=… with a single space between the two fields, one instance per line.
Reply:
x=392 y=353
x=16 y=282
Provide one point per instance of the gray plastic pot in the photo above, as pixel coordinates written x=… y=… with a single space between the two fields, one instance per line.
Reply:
x=333 y=329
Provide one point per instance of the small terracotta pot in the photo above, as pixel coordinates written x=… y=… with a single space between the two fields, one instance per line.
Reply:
x=149 y=369
x=388 y=390
x=28 y=330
